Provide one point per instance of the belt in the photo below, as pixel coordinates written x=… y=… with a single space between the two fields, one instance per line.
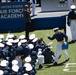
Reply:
x=60 y=41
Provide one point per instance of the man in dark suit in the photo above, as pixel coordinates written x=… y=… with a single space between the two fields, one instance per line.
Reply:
x=27 y=19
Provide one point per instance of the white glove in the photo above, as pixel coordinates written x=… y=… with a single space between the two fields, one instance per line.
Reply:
x=65 y=43
x=47 y=35
x=50 y=43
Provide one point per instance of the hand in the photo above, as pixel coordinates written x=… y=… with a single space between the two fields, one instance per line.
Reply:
x=47 y=35
x=65 y=43
x=50 y=43
x=68 y=23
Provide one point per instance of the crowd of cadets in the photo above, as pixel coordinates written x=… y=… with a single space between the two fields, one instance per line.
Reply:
x=19 y=56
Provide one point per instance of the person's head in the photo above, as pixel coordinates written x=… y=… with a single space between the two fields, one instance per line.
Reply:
x=26 y=7
x=23 y=42
x=35 y=40
x=72 y=7
x=40 y=41
x=15 y=42
x=31 y=37
x=8 y=45
x=56 y=30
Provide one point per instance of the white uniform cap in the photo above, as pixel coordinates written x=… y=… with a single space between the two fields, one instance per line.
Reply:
x=29 y=68
x=22 y=37
x=9 y=43
x=23 y=41
x=27 y=64
x=1 y=36
x=10 y=36
x=1 y=40
x=72 y=6
x=1 y=72
x=25 y=74
x=16 y=41
x=34 y=40
x=10 y=40
x=4 y=63
x=2 y=45
x=15 y=68
x=28 y=59
x=14 y=62
x=32 y=36
x=31 y=46
x=55 y=29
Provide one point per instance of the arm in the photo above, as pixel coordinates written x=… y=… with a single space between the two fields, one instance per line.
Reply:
x=66 y=37
x=51 y=38
x=68 y=19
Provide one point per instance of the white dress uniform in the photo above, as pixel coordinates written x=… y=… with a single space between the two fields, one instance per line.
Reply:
x=59 y=36
x=72 y=20
x=58 y=48
x=73 y=29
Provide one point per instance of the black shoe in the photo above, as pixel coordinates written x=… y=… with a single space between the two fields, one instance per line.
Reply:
x=40 y=66
x=73 y=41
x=67 y=60
x=55 y=64
x=33 y=15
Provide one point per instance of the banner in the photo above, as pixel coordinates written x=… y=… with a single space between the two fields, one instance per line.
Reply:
x=11 y=16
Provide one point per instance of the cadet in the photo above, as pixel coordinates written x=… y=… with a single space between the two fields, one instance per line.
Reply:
x=18 y=50
x=31 y=37
x=15 y=69
x=25 y=49
x=49 y=55
x=72 y=22
x=11 y=53
x=59 y=36
x=29 y=69
x=4 y=67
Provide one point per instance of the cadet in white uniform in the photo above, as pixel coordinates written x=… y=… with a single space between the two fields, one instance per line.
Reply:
x=72 y=22
x=59 y=36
